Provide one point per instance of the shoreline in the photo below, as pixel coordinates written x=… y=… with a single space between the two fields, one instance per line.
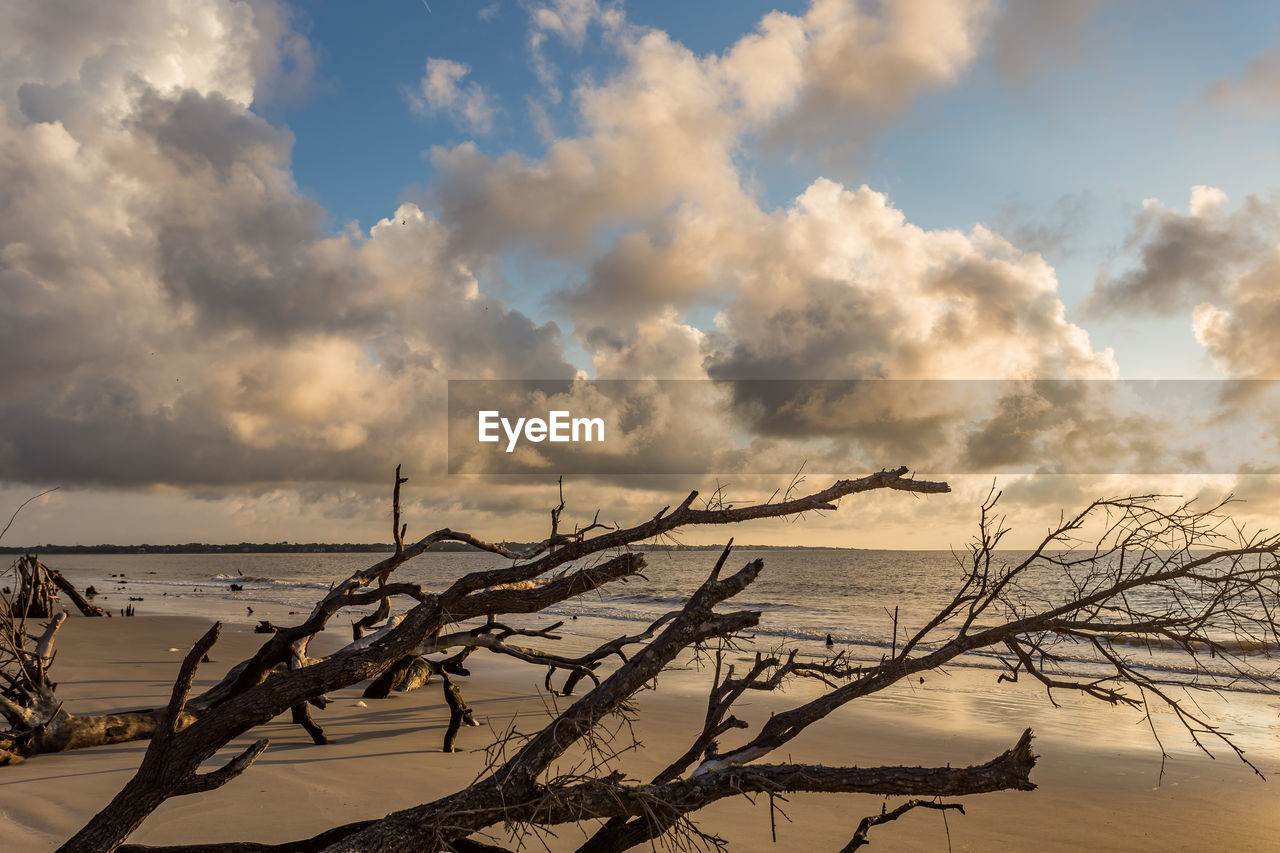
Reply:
x=1099 y=772
x=287 y=597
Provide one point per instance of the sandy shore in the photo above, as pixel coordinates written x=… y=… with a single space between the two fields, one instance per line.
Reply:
x=1098 y=774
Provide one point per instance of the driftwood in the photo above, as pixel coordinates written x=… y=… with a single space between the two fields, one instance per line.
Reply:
x=37 y=721
x=1179 y=575
x=37 y=591
x=37 y=595
x=68 y=589
x=459 y=712
x=248 y=697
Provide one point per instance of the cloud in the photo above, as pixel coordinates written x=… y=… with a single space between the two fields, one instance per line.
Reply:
x=1051 y=232
x=178 y=316
x=285 y=63
x=646 y=274
x=1217 y=262
x=651 y=138
x=1238 y=328
x=1030 y=36
x=76 y=64
x=567 y=20
x=859 y=68
x=1184 y=258
x=841 y=285
x=658 y=347
x=175 y=311
x=838 y=285
x=668 y=129
x=440 y=91
x=1257 y=87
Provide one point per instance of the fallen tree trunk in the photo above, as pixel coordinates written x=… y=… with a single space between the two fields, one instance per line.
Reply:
x=60 y=731
x=1011 y=770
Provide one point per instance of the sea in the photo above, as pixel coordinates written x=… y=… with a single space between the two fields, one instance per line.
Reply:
x=866 y=601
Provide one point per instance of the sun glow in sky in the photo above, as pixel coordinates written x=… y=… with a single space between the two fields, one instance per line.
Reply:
x=244 y=244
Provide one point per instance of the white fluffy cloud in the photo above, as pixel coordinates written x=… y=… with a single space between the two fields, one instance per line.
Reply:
x=840 y=285
x=670 y=128
x=441 y=90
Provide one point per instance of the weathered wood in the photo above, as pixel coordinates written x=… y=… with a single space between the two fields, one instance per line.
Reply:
x=59 y=731
x=315 y=844
x=860 y=839
x=381 y=687
x=81 y=603
x=36 y=596
x=417 y=675
x=302 y=716
x=459 y=713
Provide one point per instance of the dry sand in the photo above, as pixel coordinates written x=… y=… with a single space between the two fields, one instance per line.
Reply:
x=1098 y=774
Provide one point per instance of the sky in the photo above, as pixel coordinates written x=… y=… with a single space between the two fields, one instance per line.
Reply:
x=245 y=245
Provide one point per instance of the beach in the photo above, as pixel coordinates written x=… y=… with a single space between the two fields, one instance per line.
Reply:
x=1100 y=787
x=916 y=360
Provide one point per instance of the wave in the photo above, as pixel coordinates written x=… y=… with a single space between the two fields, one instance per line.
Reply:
x=261 y=582
x=868 y=649
x=801 y=615
x=1261 y=648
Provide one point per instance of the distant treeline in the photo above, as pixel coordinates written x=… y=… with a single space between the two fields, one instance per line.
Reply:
x=240 y=548
x=335 y=548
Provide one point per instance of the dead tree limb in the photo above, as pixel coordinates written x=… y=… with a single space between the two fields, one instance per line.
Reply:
x=1204 y=585
x=864 y=826
x=459 y=713
x=1183 y=577
x=251 y=696
x=13 y=517
x=68 y=589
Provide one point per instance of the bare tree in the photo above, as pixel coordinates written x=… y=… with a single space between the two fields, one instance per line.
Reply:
x=1127 y=572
